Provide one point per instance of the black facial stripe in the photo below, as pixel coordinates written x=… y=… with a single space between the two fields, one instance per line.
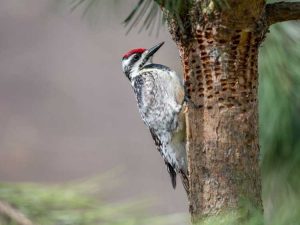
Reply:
x=135 y=58
x=132 y=61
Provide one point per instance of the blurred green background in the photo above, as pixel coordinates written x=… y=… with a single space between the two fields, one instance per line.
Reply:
x=61 y=121
x=279 y=109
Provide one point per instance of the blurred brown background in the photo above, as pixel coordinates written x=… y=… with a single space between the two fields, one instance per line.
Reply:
x=67 y=111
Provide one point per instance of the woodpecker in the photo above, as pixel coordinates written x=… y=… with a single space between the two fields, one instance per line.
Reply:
x=160 y=98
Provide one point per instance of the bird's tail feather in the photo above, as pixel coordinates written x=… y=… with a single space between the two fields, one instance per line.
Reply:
x=172 y=174
x=185 y=181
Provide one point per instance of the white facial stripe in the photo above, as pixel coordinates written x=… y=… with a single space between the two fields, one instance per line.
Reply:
x=135 y=67
x=127 y=62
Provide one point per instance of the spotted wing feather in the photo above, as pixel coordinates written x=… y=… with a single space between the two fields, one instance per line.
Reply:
x=160 y=96
x=170 y=168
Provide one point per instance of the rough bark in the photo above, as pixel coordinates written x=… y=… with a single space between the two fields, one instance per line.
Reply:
x=219 y=52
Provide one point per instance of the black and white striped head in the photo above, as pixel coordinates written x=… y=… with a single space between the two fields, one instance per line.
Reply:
x=136 y=59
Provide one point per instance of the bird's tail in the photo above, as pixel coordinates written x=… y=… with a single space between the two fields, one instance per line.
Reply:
x=185 y=181
x=172 y=174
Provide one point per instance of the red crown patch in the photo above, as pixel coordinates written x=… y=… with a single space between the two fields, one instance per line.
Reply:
x=133 y=51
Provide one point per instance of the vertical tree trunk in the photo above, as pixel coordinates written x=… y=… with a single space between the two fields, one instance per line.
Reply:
x=223 y=149
x=219 y=52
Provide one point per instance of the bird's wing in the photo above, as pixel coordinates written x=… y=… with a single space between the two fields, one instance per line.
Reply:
x=170 y=168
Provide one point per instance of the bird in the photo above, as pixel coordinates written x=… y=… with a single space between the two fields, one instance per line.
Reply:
x=160 y=96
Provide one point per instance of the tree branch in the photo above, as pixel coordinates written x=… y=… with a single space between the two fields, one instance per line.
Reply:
x=282 y=11
x=14 y=214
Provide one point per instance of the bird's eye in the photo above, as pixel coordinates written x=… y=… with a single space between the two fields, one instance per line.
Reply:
x=136 y=57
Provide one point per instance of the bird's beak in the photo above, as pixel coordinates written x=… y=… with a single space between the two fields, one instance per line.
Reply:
x=150 y=52
x=154 y=49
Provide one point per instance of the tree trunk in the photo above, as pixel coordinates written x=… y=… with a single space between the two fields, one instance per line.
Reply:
x=223 y=150
x=218 y=46
x=219 y=57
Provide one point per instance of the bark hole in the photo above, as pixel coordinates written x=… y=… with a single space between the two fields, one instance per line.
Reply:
x=221 y=80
